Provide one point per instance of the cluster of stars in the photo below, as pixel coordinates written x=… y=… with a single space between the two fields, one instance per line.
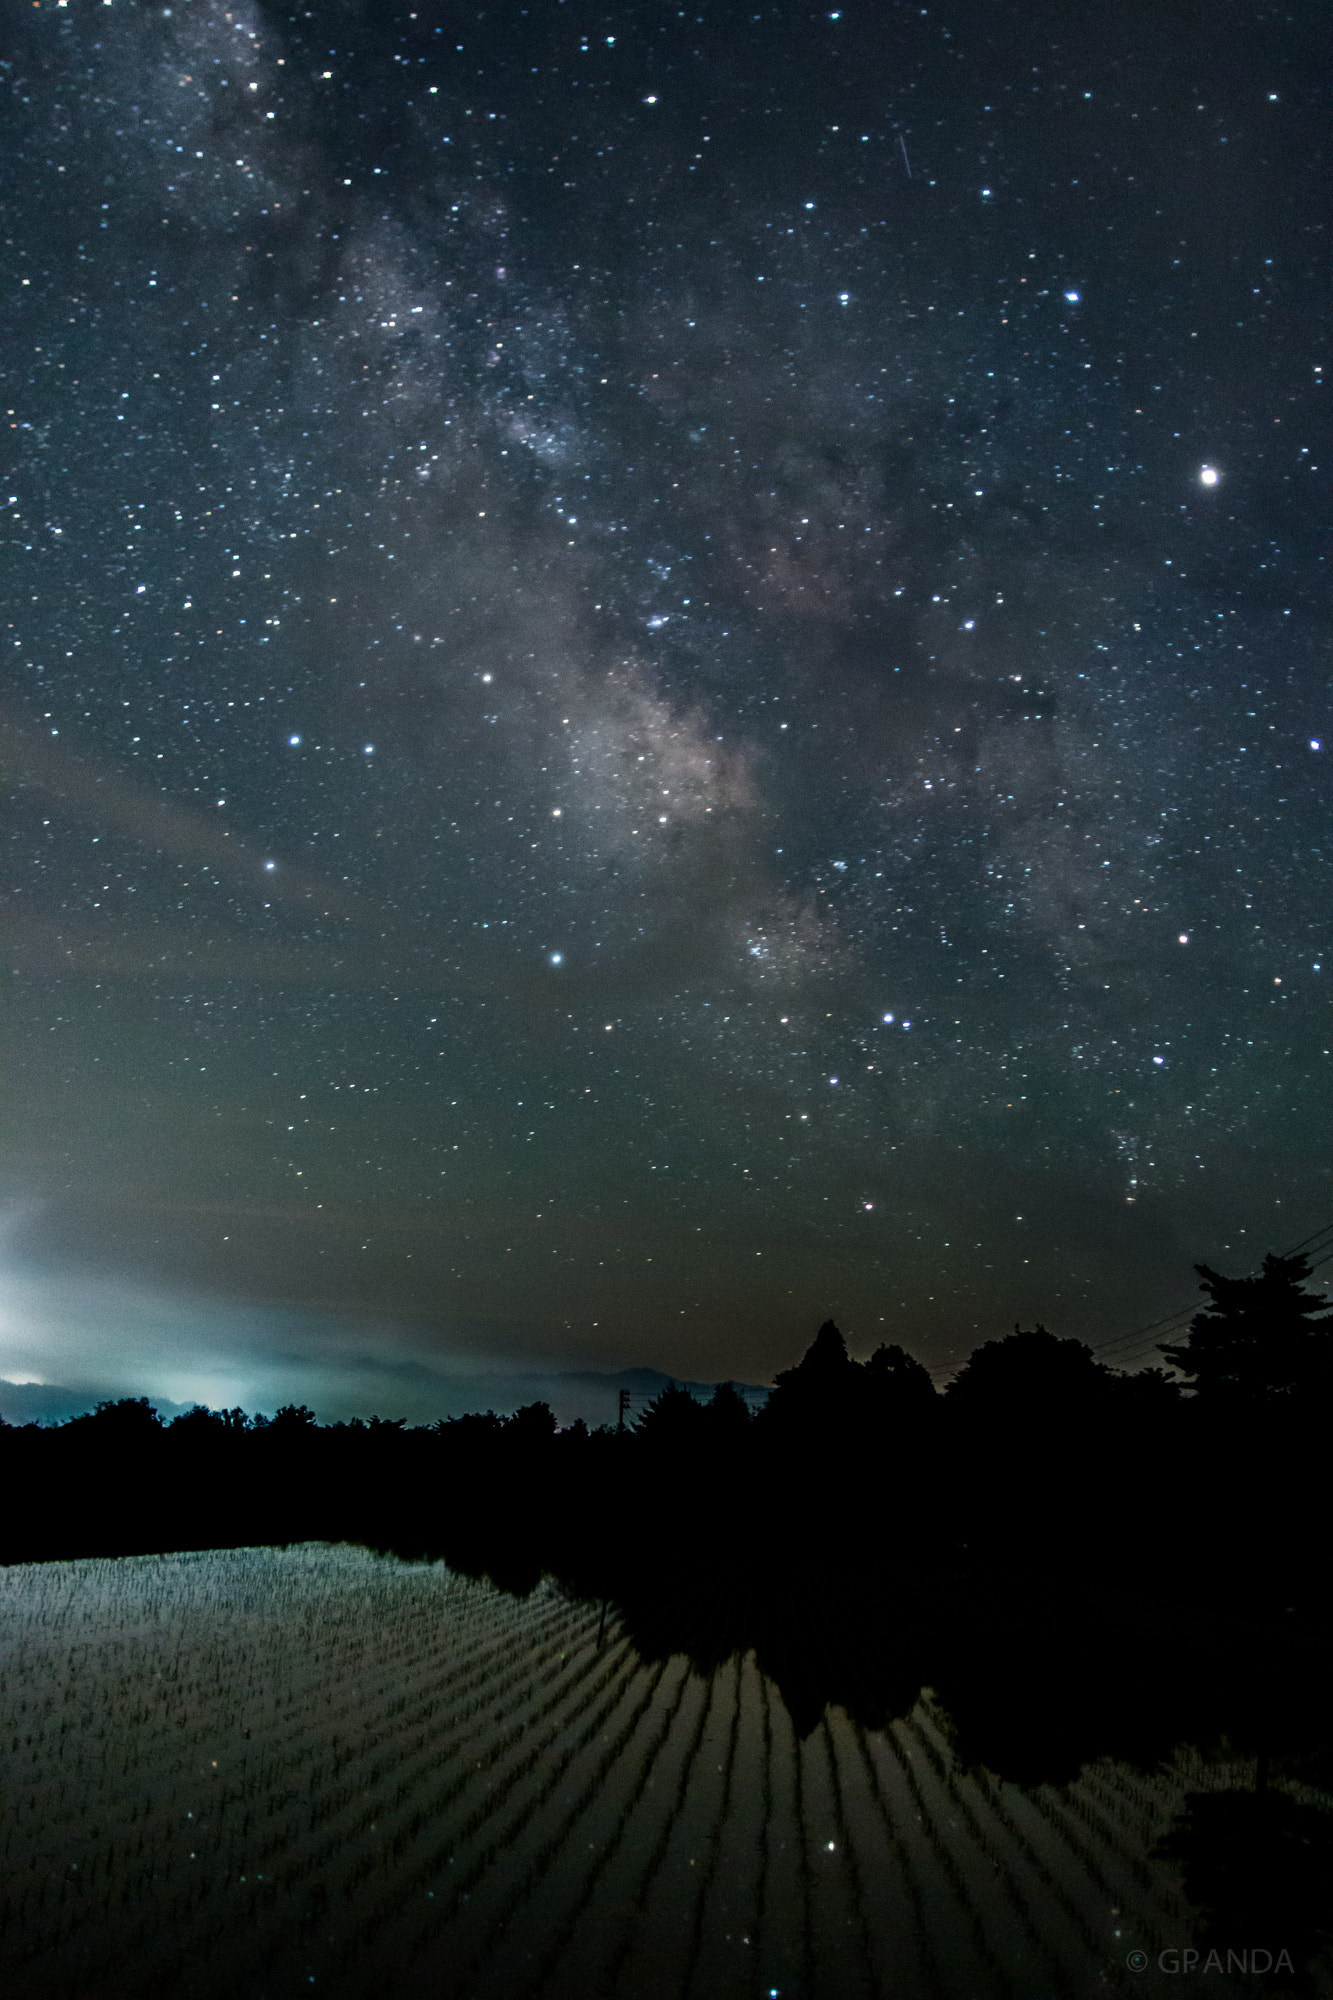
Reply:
x=677 y=538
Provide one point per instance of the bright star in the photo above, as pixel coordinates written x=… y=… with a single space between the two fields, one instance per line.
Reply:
x=1209 y=475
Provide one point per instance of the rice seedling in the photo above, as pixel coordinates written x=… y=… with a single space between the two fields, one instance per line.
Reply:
x=315 y=1767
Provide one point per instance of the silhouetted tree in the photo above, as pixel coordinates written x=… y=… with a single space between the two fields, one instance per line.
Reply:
x=473 y=1431
x=1028 y=1375
x=533 y=1425
x=673 y=1421
x=292 y=1418
x=803 y=1531
x=728 y=1416
x=819 y=1394
x=898 y=1386
x=120 y=1421
x=200 y=1419
x=198 y=1423
x=825 y=1365
x=1263 y=1340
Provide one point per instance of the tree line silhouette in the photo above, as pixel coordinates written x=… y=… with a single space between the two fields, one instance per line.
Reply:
x=1078 y=1561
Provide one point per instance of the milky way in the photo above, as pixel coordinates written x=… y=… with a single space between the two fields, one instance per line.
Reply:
x=665 y=674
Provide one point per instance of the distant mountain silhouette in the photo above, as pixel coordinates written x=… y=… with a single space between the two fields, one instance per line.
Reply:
x=1020 y=1542
x=575 y=1395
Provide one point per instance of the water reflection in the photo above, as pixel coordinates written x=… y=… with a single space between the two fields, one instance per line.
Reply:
x=1016 y=1683
x=1257 y=1864
x=251 y=1771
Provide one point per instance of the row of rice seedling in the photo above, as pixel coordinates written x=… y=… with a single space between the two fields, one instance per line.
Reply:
x=1074 y=1850
x=318 y=1767
x=729 y=1909
x=409 y=1772
x=358 y=1852
x=116 y=1695
x=673 y=1902
x=485 y=1900
x=271 y=1654
x=727 y=1906
x=462 y=1820
x=1020 y=1908
x=568 y=1877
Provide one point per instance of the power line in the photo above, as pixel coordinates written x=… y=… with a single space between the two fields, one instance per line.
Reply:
x=1309 y=1239
x=1153 y=1326
x=1120 y=1351
x=1125 y=1346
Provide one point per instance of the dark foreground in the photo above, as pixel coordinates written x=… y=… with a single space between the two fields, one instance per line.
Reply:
x=716 y=1643
x=269 y=1772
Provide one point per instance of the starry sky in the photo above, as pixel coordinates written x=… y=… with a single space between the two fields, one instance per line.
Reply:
x=664 y=673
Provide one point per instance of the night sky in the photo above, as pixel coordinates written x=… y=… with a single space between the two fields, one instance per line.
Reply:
x=664 y=674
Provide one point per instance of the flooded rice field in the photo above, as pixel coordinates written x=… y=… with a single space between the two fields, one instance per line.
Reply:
x=268 y=1772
